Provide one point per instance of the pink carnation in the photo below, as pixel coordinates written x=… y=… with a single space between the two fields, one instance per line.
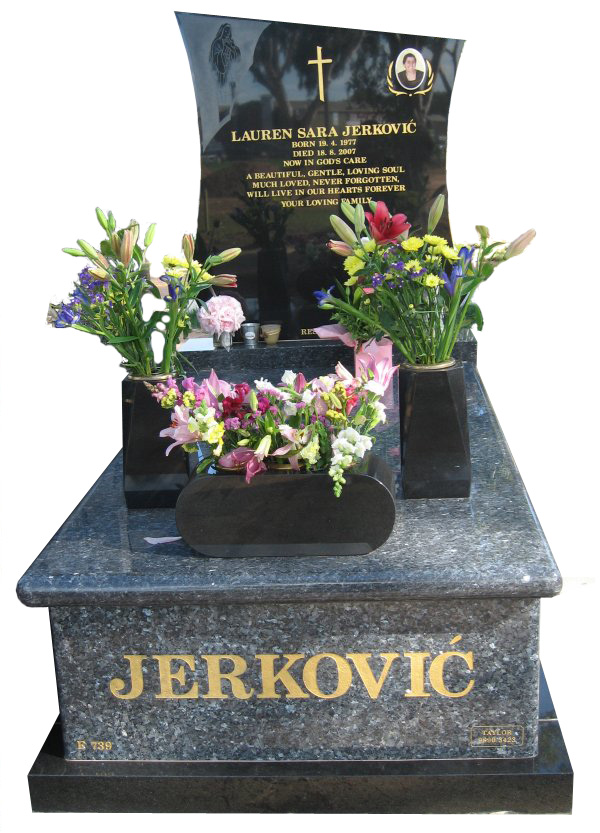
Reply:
x=222 y=314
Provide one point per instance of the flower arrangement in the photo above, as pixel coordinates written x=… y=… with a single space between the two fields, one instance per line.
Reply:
x=108 y=295
x=417 y=290
x=221 y=315
x=322 y=424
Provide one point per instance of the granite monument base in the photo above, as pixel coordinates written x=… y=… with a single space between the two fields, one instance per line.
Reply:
x=543 y=784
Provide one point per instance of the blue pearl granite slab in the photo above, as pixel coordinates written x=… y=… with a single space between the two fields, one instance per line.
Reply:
x=488 y=545
x=359 y=680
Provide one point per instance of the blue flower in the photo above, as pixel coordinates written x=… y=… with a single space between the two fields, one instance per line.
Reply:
x=322 y=296
x=66 y=315
x=465 y=255
x=450 y=282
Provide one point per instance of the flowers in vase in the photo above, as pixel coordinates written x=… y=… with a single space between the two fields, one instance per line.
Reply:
x=417 y=290
x=324 y=424
x=107 y=300
x=221 y=314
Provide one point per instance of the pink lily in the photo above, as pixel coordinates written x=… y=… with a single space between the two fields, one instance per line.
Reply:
x=243 y=457
x=383 y=371
x=383 y=227
x=299 y=383
x=179 y=430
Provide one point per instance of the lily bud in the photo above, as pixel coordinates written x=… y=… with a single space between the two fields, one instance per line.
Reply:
x=126 y=248
x=347 y=210
x=224 y=280
x=112 y=223
x=253 y=401
x=342 y=230
x=373 y=206
x=75 y=252
x=483 y=231
x=519 y=245
x=102 y=219
x=340 y=248
x=103 y=261
x=115 y=243
x=435 y=213
x=134 y=228
x=100 y=273
x=187 y=244
x=89 y=250
x=149 y=235
x=359 y=219
x=228 y=254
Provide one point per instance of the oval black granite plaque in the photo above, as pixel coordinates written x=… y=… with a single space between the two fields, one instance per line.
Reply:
x=281 y=513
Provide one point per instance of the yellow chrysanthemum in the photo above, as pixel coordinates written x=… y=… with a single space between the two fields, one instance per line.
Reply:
x=434 y=240
x=449 y=253
x=413 y=266
x=413 y=244
x=353 y=264
x=170 y=262
x=432 y=281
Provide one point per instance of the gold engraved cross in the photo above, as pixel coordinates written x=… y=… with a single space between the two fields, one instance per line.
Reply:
x=320 y=60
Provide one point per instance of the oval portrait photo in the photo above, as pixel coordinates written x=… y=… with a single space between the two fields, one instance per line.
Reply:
x=410 y=69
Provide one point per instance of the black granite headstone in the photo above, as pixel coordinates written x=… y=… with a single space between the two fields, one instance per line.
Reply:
x=294 y=118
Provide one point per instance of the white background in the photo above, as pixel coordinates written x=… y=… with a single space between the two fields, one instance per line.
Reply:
x=99 y=110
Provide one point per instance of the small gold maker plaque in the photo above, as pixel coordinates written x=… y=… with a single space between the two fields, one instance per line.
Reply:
x=510 y=735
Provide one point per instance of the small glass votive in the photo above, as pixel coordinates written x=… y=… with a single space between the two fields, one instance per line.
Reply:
x=250 y=333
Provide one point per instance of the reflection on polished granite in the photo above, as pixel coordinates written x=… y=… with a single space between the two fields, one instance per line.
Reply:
x=488 y=545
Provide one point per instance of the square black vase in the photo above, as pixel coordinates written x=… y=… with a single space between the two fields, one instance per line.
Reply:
x=436 y=456
x=151 y=479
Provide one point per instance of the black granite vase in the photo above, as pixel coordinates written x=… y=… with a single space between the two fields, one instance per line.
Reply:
x=150 y=478
x=436 y=458
x=288 y=513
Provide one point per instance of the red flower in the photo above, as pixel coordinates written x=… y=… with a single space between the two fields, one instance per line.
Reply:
x=385 y=228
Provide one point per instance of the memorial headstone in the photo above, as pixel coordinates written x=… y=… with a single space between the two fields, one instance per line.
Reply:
x=293 y=118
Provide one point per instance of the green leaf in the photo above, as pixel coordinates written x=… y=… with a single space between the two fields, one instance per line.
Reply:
x=106 y=248
x=204 y=464
x=486 y=270
x=121 y=339
x=473 y=316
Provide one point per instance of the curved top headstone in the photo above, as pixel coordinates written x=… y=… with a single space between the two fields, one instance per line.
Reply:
x=293 y=118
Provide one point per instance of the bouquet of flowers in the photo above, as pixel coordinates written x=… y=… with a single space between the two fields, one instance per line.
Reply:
x=322 y=424
x=417 y=290
x=220 y=317
x=108 y=295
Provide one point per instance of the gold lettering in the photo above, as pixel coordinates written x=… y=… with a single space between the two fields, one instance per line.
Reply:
x=436 y=673
x=167 y=675
x=137 y=679
x=361 y=662
x=417 y=674
x=216 y=677
x=344 y=672
x=269 y=677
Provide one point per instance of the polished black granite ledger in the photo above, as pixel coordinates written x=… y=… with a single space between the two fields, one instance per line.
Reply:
x=489 y=545
x=293 y=118
x=543 y=784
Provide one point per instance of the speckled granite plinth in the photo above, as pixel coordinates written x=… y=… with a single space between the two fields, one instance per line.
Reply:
x=426 y=647
x=364 y=680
